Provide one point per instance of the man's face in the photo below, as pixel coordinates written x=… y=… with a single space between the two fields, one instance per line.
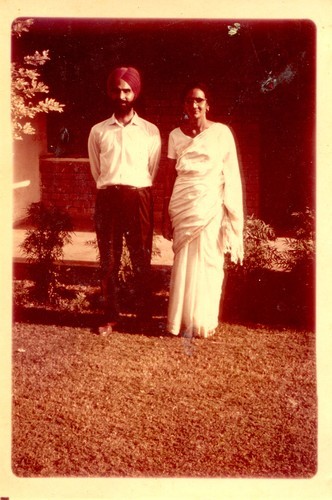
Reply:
x=122 y=96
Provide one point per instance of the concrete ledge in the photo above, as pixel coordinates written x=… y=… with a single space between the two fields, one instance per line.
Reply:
x=80 y=253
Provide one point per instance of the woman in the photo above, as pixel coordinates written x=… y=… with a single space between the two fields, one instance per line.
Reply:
x=203 y=195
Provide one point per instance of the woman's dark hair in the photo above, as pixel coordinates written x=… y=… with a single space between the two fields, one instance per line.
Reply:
x=197 y=85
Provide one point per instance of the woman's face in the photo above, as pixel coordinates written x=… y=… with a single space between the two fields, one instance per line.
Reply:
x=195 y=104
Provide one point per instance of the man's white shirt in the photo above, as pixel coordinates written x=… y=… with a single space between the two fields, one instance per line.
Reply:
x=127 y=155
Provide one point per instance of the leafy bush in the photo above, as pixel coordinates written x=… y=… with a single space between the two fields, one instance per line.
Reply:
x=301 y=248
x=256 y=293
x=77 y=303
x=43 y=245
x=26 y=87
x=261 y=250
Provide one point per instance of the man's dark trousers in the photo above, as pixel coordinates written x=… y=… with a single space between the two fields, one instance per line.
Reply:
x=125 y=211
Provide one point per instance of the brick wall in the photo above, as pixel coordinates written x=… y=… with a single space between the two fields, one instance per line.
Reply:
x=67 y=183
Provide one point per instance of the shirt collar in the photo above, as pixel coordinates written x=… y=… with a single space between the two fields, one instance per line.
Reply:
x=134 y=121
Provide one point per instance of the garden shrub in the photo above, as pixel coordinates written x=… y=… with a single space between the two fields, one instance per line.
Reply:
x=301 y=248
x=261 y=251
x=256 y=292
x=49 y=230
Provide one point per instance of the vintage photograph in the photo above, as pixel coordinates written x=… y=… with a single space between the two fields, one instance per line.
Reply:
x=164 y=228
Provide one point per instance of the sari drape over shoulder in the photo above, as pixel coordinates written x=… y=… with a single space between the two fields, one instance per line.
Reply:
x=207 y=218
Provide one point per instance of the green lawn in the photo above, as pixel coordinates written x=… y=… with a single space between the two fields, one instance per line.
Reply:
x=242 y=403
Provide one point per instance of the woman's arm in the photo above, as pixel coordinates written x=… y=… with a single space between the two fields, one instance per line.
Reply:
x=169 y=180
x=233 y=203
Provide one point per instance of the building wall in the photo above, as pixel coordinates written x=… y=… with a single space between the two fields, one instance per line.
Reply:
x=67 y=183
x=26 y=168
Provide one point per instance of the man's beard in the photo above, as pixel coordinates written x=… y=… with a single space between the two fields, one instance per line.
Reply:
x=122 y=107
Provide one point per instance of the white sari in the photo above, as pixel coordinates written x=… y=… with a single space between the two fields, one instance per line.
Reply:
x=207 y=218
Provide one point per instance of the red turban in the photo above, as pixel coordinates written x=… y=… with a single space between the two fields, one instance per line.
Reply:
x=129 y=75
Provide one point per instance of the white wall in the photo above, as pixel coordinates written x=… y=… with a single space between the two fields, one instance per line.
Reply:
x=26 y=155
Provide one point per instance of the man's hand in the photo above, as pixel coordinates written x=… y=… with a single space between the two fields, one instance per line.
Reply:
x=167 y=230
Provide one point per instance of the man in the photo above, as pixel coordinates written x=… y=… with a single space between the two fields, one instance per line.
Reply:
x=124 y=153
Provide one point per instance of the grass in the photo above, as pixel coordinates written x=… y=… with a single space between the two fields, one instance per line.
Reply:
x=240 y=404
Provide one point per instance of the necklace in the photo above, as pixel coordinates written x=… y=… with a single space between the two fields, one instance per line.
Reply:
x=197 y=130
x=193 y=129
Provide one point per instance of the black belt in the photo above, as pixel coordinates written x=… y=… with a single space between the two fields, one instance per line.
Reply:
x=125 y=187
